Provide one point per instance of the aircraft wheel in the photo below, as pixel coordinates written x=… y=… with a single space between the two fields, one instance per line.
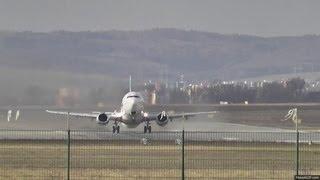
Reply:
x=118 y=129
x=149 y=129
x=113 y=129
x=145 y=129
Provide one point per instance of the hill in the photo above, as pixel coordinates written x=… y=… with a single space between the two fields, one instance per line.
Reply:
x=148 y=53
x=33 y=66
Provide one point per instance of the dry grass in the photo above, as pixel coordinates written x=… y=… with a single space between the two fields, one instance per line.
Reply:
x=160 y=160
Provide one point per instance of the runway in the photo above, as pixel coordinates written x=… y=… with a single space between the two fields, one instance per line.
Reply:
x=254 y=136
x=222 y=121
x=37 y=124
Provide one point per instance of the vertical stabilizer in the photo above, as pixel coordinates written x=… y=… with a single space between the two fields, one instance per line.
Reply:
x=130 y=89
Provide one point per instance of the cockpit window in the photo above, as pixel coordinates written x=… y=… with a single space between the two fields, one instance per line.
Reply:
x=133 y=96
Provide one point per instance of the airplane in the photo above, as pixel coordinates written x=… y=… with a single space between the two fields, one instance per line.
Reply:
x=131 y=114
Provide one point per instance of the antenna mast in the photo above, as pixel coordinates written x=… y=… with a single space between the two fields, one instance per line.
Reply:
x=130 y=84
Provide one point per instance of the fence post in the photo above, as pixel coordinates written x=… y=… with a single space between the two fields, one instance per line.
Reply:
x=68 y=143
x=297 y=154
x=68 y=163
x=182 y=163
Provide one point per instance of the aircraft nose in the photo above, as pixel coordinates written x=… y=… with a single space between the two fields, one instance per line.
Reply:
x=131 y=101
x=131 y=105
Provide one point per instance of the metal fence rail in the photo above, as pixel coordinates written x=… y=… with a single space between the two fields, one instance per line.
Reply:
x=79 y=154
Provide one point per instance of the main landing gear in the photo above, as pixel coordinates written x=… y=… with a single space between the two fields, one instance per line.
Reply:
x=147 y=127
x=115 y=128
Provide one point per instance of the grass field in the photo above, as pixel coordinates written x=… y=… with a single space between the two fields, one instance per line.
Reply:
x=101 y=159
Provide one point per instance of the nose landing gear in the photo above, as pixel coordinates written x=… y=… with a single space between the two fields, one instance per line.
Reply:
x=116 y=128
x=147 y=127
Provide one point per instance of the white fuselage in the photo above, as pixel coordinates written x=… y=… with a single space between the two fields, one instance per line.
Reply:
x=132 y=109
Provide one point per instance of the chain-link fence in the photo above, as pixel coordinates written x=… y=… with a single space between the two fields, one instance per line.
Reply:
x=33 y=154
x=78 y=154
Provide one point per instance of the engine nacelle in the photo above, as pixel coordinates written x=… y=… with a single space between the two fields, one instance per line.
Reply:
x=102 y=119
x=162 y=119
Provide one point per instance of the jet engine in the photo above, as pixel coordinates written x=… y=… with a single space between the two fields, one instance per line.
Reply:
x=162 y=119
x=102 y=118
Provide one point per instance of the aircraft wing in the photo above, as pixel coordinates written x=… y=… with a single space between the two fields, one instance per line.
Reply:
x=182 y=115
x=76 y=114
x=191 y=114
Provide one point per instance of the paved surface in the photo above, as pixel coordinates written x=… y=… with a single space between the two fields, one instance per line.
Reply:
x=38 y=119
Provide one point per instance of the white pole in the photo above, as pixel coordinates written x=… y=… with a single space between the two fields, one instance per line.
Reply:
x=296 y=120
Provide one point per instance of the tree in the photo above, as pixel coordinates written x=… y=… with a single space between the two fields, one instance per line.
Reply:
x=273 y=92
x=295 y=87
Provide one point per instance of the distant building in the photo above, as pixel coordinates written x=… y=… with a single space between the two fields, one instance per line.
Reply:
x=67 y=96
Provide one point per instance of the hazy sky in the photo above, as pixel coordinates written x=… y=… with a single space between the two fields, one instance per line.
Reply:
x=255 y=17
